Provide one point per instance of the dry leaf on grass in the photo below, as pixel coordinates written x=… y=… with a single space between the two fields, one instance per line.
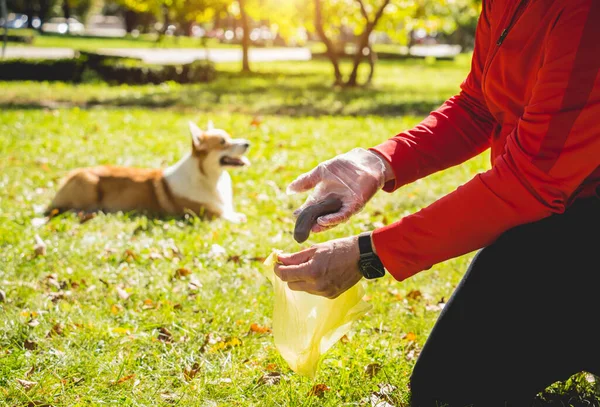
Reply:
x=270 y=379
x=165 y=335
x=191 y=372
x=414 y=295
x=318 y=390
x=182 y=272
x=57 y=329
x=29 y=345
x=124 y=379
x=2 y=296
x=372 y=369
x=259 y=329
x=26 y=384
x=30 y=371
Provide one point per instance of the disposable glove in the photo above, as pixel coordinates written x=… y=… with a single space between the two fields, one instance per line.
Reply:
x=353 y=177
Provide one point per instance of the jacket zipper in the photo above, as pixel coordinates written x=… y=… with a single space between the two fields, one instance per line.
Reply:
x=513 y=20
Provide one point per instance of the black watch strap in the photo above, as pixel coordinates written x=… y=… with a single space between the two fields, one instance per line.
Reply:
x=369 y=264
x=364 y=243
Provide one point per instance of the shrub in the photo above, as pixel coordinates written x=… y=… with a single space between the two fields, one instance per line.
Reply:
x=66 y=70
x=112 y=69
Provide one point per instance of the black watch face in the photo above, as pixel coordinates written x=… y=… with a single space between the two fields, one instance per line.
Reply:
x=371 y=268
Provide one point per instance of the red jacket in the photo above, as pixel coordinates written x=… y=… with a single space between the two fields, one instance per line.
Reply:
x=533 y=97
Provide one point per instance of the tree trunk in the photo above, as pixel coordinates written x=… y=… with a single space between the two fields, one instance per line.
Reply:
x=363 y=41
x=245 y=36
x=372 y=62
x=66 y=8
x=331 y=52
x=44 y=10
x=30 y=13
x=130 y=18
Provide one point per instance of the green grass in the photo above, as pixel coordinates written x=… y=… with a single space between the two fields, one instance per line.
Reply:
x=282 y=88
x=65 y=327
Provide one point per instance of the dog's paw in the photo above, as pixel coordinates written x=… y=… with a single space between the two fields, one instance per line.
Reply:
x=235 y=217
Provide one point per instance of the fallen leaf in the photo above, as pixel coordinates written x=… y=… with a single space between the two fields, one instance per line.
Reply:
x=256 y=122
x=26 y=384
x=57 y=329
x=234 y=259
x=271 y=367
x=190 y=373
x=30 y=371
x=318 y=390
x=259 y=329
x=33 y=323
x=228 y=343
x=40 y=246
x=182 y=272
x=2 y=296
x=164 y=335
x=411 y=337
x=169 y=397
x=372 y=369
x=129 y=255
x=115 y=309
x=344 y=339
x=270 y=379
x=382 y=398
x=124 y=379
x=29 y=345
x=52 y=280
x=414 y=295
x=124 y=295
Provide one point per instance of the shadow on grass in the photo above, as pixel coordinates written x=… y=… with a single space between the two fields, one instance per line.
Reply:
x=259 y=95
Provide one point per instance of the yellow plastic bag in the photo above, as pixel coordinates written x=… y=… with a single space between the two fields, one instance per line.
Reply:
x=305 y=326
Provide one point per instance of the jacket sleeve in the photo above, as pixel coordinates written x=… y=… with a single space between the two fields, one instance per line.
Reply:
x=455 y=132
x=553 y=149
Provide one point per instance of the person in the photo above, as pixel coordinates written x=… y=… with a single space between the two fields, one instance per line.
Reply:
x=523 y=315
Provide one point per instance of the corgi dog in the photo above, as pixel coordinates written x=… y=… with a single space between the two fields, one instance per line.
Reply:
x=199 y=182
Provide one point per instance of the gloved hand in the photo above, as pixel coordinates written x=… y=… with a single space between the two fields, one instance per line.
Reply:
x=353 y=177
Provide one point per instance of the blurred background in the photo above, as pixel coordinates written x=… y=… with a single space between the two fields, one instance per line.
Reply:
x=176 y=32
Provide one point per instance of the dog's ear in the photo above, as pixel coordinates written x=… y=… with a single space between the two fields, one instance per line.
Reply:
x=197 y=136
x=210 y=125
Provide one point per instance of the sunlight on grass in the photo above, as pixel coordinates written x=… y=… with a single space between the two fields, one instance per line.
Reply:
x=128 y=310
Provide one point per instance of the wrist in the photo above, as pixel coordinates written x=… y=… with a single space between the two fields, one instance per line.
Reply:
x=388 y=171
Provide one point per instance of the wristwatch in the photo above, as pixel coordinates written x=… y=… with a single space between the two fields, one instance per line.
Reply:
x=369 y=264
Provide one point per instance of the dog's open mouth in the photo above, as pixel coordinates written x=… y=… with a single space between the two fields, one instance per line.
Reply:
x=234 y=161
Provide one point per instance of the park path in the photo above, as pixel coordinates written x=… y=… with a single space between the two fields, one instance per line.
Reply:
x=172 y=55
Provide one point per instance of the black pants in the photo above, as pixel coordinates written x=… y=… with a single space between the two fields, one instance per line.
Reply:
x=523 y=317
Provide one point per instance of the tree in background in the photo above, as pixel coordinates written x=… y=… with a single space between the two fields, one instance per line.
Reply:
x=31 y=8
x=363 y=17
x=79 y=8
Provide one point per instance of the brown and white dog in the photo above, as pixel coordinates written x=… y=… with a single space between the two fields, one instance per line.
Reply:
x=199 y=182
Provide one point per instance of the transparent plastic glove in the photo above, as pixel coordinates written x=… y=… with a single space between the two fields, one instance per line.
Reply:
x=354 y=177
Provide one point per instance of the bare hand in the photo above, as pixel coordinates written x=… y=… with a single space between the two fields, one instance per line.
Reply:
x=326 y=269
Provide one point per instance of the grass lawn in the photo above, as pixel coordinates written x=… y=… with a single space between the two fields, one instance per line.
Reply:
x=133 y=311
